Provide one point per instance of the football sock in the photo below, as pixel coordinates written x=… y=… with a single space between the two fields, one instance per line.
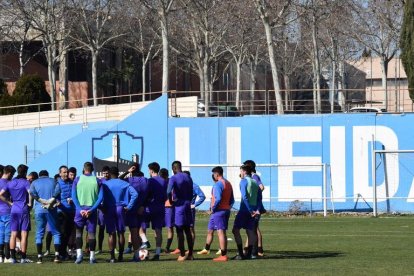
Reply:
x=158 y=251
x=207 y=247
x=101 y=236
x=24 y=255
x=121 y=250
x=169 y=242
x=13 y=253
x=57 y=248
x=2 y=250
x=78 y=242
x=143 y=238
x=240 y=249
x=254 y=250
x=223 y=252
x=92 y=244
x=113 y=254
x=7 y=250
x=129 y=245
x=48 y=240
x=249 y=250
x=39 y=248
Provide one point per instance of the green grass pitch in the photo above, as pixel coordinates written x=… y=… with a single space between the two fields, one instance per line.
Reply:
x=293 y=246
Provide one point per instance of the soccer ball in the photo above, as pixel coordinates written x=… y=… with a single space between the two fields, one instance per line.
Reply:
x=143 y=254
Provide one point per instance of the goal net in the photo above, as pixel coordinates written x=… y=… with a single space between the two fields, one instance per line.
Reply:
x=393 y=181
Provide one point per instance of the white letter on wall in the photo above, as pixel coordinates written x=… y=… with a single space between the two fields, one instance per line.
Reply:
x=182 y=146
x=362 y=170
x=338 y=161
x=286 y=137
x=233 y=157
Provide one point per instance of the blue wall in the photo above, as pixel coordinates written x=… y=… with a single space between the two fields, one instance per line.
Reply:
x=289 y=150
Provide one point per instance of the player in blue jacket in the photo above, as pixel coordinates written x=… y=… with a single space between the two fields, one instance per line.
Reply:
x=45 y=191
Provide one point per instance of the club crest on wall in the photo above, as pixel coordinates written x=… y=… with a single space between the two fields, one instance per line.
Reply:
x=116 y=149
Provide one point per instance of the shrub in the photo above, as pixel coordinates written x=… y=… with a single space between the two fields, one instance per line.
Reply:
x=31 y=89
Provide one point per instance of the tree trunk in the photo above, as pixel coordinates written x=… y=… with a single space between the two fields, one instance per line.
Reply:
x=21 y=62
x=334 y=68
x=317 y=67
x=63 y=77
x=238 y=82
x=315 y=102
x=206 y=89
x=144 y=84
x=94 y=77
x=210 y=90
x=341 y=87
x=384 y=74
x=252 y=85
x=51 y=52
x=276 y=85
x=165 y=52
x=286 y=78
x=333 y=86
x=201 y=76
x=119 y=82
x=52 y=85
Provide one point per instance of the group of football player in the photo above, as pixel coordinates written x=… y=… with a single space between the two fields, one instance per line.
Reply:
x=66 y=204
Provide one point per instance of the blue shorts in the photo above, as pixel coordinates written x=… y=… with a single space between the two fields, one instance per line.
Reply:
x=183 y=215
x=50 y=218
x=90 y=222
x=4 y=229
x=244 y=220
x=20 y=222
x=219 y=220
x=133 y=220
x=156 y=217
x=169 y=217
x=115 y=219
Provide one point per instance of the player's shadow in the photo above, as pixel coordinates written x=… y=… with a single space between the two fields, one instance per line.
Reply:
x=301 y=254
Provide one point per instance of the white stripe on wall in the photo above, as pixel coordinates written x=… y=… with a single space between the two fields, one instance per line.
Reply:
x=233 y=144
x=182 y=145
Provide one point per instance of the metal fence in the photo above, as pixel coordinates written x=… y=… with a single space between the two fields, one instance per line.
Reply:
x=227 y=103
x=220 y=104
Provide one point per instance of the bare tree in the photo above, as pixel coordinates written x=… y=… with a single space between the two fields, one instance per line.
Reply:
x=291 y=58
x=100 y=23
x=143 y=36
x=314 y=15
x=274 y=14
x=254 y=57
x=46 y=19
x=162 y=9
x=17 y=28
x=377 y=26
x=202 y=26
x=338 y=47
x=242 y=35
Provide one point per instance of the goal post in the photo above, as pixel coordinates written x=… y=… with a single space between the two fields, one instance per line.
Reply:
x=383 y=153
